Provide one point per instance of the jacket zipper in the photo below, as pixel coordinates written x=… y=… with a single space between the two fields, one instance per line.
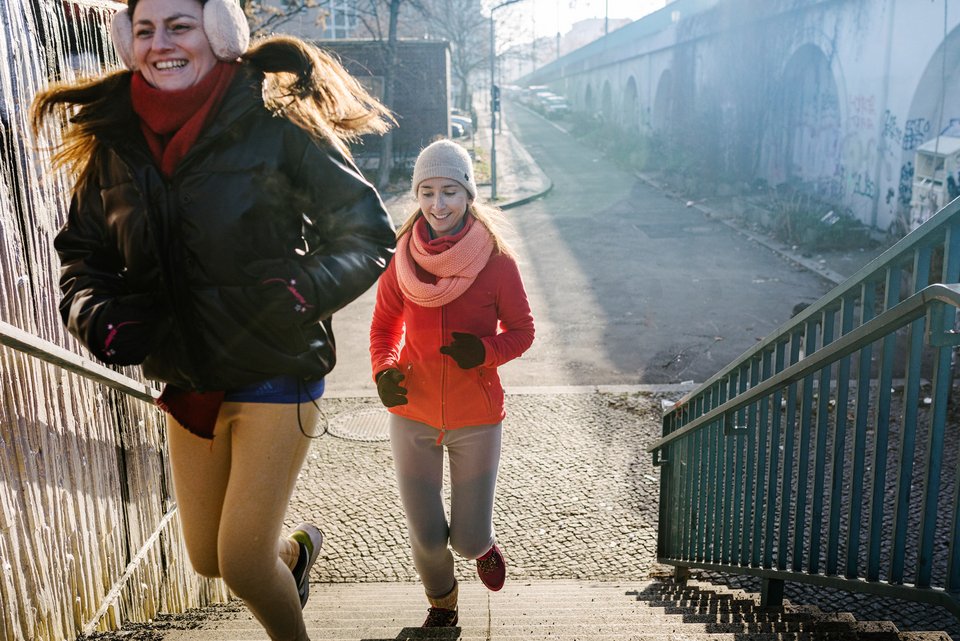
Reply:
x=443 y=380
x=159 y=225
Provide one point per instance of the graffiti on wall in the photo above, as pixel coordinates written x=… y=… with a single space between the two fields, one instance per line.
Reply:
x=862 y=112
x=861 y=162
x=891 y=131
x=905 y=189
x=915 y=133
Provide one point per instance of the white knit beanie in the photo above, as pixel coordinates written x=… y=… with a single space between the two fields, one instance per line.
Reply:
x=444 y=159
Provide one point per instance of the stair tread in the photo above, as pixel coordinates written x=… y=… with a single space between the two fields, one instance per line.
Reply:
x=558 y=611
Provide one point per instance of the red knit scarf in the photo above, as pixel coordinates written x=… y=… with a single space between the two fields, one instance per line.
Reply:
x=171 y=121
x=454 y=260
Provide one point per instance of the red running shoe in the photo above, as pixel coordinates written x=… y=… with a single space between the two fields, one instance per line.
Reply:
x=492 y=569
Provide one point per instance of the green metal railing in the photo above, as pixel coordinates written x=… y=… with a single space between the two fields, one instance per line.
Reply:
x=828 y=454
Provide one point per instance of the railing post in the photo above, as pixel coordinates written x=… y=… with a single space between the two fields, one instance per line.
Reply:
x=771 y=593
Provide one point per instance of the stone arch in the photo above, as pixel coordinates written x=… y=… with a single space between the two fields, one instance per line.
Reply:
x=934 y=110
x=631 y=107
x=588 y=100
x=606 y=102
x=663 y=102
x=802 y=142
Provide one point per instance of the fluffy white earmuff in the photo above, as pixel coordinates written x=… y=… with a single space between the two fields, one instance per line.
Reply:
x=226 y=27
x=224 y=23
x=121 y=32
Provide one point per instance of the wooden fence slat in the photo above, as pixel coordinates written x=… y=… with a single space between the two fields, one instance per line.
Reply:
x=88 y=538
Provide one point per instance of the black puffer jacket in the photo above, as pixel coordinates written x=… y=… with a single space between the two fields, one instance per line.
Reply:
x=255 y=199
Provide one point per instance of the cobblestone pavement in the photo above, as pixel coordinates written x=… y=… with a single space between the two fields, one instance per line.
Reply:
x=576 y=497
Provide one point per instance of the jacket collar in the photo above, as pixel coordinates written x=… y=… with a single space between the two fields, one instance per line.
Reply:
x=243 y=96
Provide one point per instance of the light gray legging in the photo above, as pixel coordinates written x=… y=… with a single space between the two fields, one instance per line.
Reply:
x=474 y=454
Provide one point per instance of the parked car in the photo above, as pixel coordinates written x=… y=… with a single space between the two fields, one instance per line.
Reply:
x=556 y=107
x=540 y=99
x=531 y=95
x=463 y=122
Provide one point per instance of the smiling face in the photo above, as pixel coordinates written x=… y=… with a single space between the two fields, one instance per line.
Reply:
x=444 y=203
x=169 y=44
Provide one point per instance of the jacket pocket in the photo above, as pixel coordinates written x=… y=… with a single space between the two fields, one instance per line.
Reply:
x=471 y=397
x=410 y=381
x=486 y=389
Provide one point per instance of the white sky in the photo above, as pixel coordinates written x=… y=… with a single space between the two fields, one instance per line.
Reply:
x=547 y=15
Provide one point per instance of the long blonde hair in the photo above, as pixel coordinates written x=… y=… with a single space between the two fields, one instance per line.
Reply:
x=301 y=83
x=487 y=215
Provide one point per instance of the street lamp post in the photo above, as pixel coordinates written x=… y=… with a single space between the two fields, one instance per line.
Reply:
x=493 y=91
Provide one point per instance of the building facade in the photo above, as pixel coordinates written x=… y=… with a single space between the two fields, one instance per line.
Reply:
x=832 y=96
x=421 y=101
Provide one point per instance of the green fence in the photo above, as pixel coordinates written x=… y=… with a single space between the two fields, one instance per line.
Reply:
x=828 y=454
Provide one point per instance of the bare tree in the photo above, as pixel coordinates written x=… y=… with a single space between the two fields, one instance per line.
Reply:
x=267 y=16
x=381 y=19
x=461 y=23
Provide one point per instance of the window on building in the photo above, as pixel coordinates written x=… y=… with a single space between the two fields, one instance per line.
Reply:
x=342 y=20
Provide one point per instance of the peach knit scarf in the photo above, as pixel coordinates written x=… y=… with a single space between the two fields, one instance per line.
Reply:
x=455 y=268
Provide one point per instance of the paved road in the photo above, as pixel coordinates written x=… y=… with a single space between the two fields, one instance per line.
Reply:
x=633 y=287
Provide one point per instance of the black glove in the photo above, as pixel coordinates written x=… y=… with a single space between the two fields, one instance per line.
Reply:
x=388 y=387
x=125 y=330
x=466 y=349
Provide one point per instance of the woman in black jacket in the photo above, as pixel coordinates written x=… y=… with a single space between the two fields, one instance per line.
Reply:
x=216 y=224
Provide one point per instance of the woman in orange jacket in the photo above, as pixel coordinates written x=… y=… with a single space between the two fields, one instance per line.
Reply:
x=454 y=294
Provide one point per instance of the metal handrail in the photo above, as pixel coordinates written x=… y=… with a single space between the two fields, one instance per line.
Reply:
x=16 y=338
x=899 y=316
x=799 y=461
x=27 y=343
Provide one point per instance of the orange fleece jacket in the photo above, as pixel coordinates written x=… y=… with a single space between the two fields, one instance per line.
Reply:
x=439 y=393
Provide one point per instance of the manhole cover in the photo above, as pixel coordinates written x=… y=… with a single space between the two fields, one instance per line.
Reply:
x=363 y=424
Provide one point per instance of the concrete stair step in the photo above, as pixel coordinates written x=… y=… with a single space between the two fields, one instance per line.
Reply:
x=758 y=617
x=483 y=634
x=751 y=614
x=703 y=604
x=570 y=625
x=554 y=610
x=496 y=617
x=560 y=622
x=731 y=609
